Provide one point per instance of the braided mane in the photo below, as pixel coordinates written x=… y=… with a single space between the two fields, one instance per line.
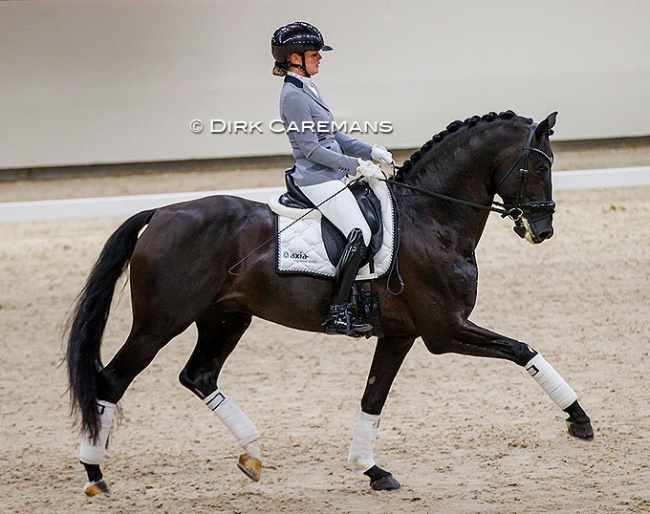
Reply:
x=454 y=126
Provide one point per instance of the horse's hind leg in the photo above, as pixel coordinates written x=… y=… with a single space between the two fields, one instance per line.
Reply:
x=474 y=340
x=219 y=333
x=135 y=355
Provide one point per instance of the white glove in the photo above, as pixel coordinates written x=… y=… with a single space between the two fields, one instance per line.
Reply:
x=380 y=154
x=370 y=170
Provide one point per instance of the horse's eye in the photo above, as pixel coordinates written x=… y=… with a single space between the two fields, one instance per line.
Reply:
x=542 y=171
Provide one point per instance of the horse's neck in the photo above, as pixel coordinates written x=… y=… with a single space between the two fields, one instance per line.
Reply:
x=461 y=167
x=460 y=174
x=424 y=219
x=467 y=179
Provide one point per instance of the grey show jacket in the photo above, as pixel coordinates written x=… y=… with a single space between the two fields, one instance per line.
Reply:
x=320 y=151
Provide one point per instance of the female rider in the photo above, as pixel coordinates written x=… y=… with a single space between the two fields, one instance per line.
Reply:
x=322 y=159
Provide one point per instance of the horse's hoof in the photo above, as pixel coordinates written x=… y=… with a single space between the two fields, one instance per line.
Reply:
x=582 y=431
x=387 y=483
x=382 y=480
x=95 y=488
x=250 y=466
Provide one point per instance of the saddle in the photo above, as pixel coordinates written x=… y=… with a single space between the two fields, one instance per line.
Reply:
x=309 y=244
x=333 y=238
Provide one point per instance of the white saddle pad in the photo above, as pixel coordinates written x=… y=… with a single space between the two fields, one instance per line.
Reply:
x=300 y=247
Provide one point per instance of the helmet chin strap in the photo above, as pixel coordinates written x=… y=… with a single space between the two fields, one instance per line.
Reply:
x=302 y=66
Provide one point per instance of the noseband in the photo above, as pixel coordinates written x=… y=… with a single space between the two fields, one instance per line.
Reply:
x=516 y=211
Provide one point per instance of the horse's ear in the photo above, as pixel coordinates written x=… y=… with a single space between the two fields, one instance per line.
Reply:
x=545 y=127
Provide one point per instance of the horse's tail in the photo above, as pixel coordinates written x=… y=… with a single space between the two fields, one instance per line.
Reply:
x=88 y=321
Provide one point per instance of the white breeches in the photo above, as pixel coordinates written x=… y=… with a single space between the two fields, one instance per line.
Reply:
x=342 y=210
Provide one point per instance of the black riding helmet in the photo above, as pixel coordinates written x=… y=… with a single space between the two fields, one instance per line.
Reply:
x=295 y=38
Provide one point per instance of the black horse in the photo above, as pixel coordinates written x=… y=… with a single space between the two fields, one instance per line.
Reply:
x=179 y=275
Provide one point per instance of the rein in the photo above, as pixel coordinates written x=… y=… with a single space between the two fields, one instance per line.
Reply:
x=516 y=212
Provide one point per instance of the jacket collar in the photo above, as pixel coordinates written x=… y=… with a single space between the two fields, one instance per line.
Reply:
x=293 y=80
x=300 y=84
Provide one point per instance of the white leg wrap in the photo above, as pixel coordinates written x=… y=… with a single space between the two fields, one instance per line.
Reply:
x=554 y=385
x=93 y=452
x=233 y=417
x=253 y=449
x=360 y=457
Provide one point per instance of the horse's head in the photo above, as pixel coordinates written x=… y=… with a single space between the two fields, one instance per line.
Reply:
x=526 y=188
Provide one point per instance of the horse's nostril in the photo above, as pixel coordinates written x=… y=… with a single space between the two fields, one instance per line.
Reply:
x=545 y=234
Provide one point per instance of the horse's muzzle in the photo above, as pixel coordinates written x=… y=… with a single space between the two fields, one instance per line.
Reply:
x=525 y=231
x=536 y=224
x=534 y=231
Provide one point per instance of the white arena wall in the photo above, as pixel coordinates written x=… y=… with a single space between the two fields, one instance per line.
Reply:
x=121 y=80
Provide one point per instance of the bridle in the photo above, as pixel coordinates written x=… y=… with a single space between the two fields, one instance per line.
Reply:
x=514 y=212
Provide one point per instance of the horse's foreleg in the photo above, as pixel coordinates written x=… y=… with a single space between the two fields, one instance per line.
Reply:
x=219 y=333
x=388 y=358
x=474 y=340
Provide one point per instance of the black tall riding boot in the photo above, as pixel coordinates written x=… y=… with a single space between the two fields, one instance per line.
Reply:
x=340 y=319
